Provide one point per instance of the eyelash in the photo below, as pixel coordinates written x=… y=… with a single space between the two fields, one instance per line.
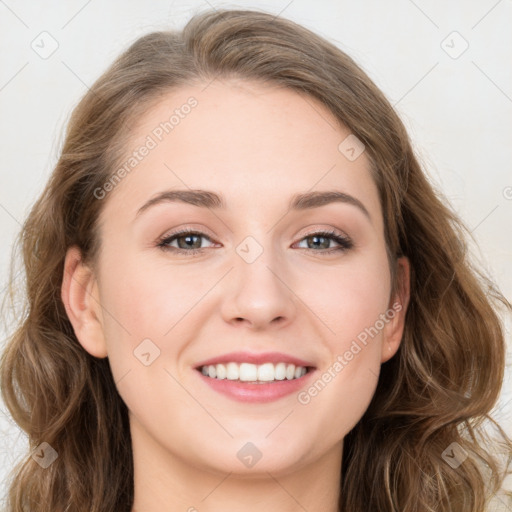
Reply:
x=344 y=242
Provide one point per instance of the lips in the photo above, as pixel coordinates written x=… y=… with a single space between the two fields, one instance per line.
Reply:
x=246 y=389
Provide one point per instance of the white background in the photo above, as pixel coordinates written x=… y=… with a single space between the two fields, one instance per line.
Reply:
x=457 y=110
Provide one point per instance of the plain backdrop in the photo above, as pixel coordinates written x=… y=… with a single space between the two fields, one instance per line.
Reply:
x=445 y=66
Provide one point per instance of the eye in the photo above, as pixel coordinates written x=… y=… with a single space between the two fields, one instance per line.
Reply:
x=322 y=239
x=189 y=241
x=189 y=244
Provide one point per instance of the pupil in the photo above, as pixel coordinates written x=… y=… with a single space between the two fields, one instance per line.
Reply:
x=188 y=239
x=316 y=238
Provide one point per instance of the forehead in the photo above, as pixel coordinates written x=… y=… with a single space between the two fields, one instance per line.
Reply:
x=255 y=144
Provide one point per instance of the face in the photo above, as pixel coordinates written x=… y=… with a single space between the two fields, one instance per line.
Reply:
x=256 y=284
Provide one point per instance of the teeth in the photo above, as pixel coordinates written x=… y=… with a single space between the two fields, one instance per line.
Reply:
x=232 y=372
x=266 y=372
x=221 y=371
x=248 y=372
x=280 y=370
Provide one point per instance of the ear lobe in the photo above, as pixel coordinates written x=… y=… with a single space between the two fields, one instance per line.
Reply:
x=394 y=329
x=79 y=293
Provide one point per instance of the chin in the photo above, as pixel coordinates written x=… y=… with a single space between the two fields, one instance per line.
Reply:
x=256 y=457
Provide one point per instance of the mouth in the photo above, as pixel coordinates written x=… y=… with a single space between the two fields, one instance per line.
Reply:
x=253 y=373
x=248 y=377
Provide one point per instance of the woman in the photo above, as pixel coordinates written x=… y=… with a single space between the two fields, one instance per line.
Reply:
x=244 y=294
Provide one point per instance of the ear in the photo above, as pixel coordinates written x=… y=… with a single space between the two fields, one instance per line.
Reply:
x=397 y=308
x=80 y=296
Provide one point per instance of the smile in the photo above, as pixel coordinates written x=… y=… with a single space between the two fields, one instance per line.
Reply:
x=247 y=372
x=258 y=381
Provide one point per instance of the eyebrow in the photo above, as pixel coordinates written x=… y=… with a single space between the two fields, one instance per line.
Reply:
x=208 y=199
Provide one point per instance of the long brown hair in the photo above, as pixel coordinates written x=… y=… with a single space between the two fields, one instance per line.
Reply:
x=432 y=396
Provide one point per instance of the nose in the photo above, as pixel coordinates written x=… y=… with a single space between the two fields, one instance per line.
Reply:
x=259 y=296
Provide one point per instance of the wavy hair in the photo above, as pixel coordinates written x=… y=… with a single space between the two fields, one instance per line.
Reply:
x=433 y=397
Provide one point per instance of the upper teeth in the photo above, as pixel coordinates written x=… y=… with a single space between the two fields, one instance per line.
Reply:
x=251 y=372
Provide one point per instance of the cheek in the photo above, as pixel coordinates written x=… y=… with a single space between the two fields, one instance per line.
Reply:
x=351 y=298
x=148 y=299
x=146 y=296
x=352 y=303
x=142 y=303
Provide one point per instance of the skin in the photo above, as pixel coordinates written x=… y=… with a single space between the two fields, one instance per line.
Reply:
x=257 y=146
